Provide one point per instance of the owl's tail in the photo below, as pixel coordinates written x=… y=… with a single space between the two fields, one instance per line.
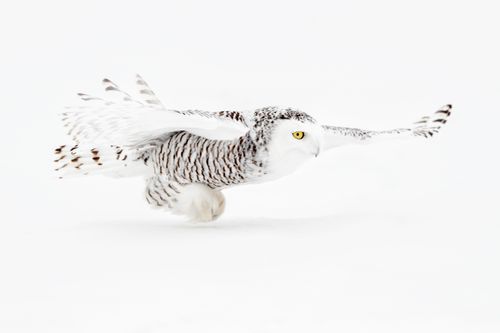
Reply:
x=109 y=160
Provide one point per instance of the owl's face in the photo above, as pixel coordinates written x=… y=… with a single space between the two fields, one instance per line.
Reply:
x=292 y=143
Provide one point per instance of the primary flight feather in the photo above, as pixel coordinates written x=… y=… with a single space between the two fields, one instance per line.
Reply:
x=188 y=157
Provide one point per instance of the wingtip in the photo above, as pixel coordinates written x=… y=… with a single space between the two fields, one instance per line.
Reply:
x=446 y=110
x=428 y=126
x=139 y=80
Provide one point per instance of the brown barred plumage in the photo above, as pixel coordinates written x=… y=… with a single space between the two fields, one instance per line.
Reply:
x=186 y=158
x=189 y=156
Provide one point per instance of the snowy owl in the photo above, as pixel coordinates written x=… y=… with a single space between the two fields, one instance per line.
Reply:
x=189 y=157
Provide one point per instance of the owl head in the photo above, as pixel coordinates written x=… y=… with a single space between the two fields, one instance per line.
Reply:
x=291 y=137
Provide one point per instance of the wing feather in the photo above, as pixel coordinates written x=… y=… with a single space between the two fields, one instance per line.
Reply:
x=147 y=93
x=126 y=121
x=425 y=127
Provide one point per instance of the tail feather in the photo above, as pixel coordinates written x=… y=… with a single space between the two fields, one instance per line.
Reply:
x=112 y=160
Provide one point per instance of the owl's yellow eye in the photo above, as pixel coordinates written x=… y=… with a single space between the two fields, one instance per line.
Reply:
x=298 y=135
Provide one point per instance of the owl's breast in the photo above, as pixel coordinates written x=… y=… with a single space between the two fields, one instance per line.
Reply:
x=188 y=158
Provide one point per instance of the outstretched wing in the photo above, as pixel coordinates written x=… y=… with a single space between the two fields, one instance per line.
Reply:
x=426 y=127
x=121 y=119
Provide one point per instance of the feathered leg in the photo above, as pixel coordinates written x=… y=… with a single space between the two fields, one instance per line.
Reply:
x=197 y=201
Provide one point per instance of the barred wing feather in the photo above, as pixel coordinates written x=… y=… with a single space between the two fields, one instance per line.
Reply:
x=124 y=120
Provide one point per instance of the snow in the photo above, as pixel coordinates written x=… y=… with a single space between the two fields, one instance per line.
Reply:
x=392 y=237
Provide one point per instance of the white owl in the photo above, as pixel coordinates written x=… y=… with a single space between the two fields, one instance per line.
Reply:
x=189 y=157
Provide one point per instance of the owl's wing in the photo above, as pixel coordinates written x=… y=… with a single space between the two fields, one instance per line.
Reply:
x=124 y=120
x=425 y=127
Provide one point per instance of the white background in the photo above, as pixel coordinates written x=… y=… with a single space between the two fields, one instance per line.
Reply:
x=395 y=237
